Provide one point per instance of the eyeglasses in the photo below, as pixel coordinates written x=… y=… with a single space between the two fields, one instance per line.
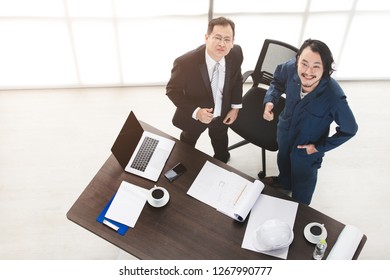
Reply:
x=226 y=40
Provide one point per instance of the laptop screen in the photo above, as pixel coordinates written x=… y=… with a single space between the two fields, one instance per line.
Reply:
x=127 y=140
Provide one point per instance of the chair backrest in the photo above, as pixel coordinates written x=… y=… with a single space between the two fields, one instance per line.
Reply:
x=250 y=123
x=272 y=54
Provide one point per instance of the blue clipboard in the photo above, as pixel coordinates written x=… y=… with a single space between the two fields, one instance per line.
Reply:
x=122 y=229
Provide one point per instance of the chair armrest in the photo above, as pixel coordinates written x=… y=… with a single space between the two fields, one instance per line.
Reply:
x=267 y=78
x=246 y=75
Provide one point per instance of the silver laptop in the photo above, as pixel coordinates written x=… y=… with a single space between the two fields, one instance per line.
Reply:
x=141 y=152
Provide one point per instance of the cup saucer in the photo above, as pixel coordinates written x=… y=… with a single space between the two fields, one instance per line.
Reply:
x=314 y=238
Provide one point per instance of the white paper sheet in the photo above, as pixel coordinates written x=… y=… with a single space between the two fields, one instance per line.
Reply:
x=226 y=191
x=127 y=204
x=266 y=208
x=212 y=182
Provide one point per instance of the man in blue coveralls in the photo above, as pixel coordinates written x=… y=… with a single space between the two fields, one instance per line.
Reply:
x=313 y=101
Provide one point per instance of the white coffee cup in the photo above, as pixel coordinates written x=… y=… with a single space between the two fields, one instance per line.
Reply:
x=314 y=232
x=158 y=196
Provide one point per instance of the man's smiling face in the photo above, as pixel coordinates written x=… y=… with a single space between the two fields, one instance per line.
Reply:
x=310 y=69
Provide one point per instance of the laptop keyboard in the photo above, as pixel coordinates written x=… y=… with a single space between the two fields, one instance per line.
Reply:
x=144 y=154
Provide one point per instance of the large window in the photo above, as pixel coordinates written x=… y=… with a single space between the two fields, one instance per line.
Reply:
x=353 y=30
x=81 y=43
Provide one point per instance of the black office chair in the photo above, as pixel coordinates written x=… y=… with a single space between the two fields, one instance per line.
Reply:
x=250 y=123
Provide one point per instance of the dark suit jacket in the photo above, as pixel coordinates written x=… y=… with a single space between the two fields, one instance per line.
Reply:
x=189 y=86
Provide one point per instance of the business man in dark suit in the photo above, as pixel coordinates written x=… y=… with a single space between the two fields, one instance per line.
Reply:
x=206 y=87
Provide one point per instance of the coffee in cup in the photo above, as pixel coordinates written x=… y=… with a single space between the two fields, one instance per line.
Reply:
x=157 y=193
x=316 y=230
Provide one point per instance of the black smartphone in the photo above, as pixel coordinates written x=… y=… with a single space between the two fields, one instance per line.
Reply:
x=175 y=172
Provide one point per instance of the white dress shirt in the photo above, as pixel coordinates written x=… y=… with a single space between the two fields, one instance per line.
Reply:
x=221 y=82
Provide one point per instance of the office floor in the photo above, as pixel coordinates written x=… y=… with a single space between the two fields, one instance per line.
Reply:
x=52 y=142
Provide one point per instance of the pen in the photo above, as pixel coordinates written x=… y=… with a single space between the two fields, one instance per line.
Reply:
x=111 y=225
x=240 y=195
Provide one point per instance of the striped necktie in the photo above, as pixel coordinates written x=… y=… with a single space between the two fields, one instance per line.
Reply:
x=214 y=81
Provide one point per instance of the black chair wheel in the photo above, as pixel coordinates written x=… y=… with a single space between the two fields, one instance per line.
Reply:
x=261 y=175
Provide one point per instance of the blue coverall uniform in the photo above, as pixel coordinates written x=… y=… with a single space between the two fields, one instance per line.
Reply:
x=307 y=121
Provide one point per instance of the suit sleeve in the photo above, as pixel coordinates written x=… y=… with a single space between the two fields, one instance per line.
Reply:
x=175 y=89
x=236 y=97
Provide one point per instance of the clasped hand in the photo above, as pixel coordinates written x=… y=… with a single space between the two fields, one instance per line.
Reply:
x=205 y=115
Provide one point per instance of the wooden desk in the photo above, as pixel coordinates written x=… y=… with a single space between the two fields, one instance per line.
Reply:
x=185 y=228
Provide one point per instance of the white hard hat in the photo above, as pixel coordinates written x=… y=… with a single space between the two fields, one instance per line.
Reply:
x=272 y=235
